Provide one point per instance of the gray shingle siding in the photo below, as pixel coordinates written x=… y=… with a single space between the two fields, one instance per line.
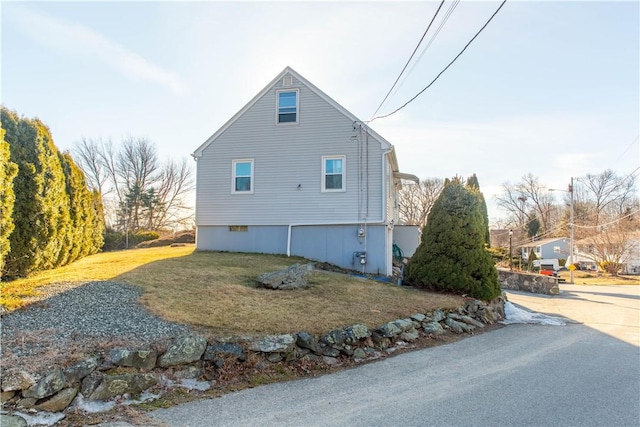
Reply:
x=287 y=211
x=285 y=157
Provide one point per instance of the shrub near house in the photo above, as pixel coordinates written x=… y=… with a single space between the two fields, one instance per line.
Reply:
x=451 y=255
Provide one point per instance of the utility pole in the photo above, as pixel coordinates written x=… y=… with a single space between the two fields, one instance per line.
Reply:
x=571 y=231
x=510 y=257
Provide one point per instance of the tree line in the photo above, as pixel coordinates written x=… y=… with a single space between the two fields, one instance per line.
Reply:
x=605 y=206
x=48 y=216
x=140 y=192
x=56 y=207
x=606 y=214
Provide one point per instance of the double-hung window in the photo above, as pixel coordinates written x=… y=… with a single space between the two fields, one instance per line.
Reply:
x=242 y=182
x=287 y=106
x=333 y=173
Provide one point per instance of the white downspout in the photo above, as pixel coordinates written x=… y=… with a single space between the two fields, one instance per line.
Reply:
x=384 y=210
x=382 y=220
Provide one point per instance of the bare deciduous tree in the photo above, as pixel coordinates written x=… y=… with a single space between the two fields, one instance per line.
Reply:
x=416 y=200
x=139 y=192
x=526 y=201
x=610 y=195
x=612 y=246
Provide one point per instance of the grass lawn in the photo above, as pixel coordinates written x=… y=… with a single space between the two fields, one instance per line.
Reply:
x=591 y=278
x=217 y=291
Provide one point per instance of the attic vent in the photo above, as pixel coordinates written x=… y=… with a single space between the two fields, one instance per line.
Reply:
x=287 y=81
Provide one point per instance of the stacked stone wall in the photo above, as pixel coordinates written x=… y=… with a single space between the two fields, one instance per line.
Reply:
x=130 y=371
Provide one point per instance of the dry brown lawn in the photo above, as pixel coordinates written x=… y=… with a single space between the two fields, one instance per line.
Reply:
x=592 y=278
x=217 y=291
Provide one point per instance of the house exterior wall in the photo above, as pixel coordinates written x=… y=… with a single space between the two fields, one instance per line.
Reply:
x=287 y=209
x=338 y=244
x=265 y=239
x=335 y=244
x=547 y=250
x=287 y=162
x=407 y=237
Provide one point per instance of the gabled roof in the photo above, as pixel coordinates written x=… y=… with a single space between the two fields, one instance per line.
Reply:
x=288 y=70
x=542 y=242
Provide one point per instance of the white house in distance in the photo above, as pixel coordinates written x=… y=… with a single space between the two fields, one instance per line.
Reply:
x=295 y=173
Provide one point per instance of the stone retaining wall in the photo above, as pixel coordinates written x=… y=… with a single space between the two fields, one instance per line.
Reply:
x=130 y=371
x=528 y=282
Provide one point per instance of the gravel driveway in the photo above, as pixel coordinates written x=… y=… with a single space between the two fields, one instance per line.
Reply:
x=71 y=320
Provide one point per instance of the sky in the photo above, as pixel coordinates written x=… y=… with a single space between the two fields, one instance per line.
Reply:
x=548 y=88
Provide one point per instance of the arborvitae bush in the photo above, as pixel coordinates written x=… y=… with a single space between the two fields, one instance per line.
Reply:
x=8 y=171
x=451 y=255
x=46 y=194
x=474 y=185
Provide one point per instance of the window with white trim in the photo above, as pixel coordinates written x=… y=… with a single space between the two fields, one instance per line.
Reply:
x=242 y=182
x=287 y=108
x=333 y=173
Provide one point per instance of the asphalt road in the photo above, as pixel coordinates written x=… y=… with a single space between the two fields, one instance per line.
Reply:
x=575 y=375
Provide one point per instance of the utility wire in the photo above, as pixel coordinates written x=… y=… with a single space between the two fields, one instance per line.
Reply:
x=410 y=58
x=447 y=15
x=445 y=68
x=625 y=151
x=610 y=222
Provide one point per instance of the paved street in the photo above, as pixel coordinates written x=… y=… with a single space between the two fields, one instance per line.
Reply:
x=574 y=375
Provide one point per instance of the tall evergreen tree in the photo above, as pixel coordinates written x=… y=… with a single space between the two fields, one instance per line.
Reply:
x=473 y=184
x=8 y=171
x=41 y=210
x=451 y=255
x=95 y=232
x=86 y=222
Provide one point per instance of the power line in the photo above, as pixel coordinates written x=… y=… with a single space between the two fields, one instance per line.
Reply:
x=629 y=215
x=410 y=58
x=626 y=149
x=447 y=15
x=445 y=68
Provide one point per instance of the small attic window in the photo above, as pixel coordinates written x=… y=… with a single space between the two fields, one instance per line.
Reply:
x=287 y=108
x=287 y=81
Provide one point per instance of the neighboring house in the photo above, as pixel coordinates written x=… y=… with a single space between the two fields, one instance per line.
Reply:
x=557 y=247
x=623 y=249
x=295 y=173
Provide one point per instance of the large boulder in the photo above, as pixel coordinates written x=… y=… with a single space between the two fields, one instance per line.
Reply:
x=274 y=344
x=354 y=333
x=308 y=341
x=48 y=385
x=142 y=359
x=184 y=350
x=218 y=352
x=458 y=327
x=59 y=401
x=76 y=372
x=466 y=319
x=12 y=421
x=334 y=339
x=17 y=379
x=116 y=385
x=294 y=277
x=432 y=328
